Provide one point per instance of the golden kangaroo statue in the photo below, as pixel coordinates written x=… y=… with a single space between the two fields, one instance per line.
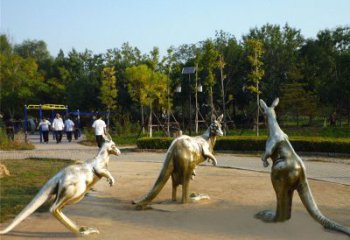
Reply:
x=69 y=186
x=288 y=174
x=182 y=157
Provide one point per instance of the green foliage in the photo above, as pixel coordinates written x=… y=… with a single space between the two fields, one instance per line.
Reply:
x=138 y=79
x=255 y=52
x=27 y=177
x=20 y=81
x=108 y=88
x=33 y=49
x=154 y=143
x=297 y=101
x=320 y=65
x=89 y=134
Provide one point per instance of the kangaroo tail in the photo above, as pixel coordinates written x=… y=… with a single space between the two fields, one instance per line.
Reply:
x=40 y=198
x=309 y=203
x=163 y=177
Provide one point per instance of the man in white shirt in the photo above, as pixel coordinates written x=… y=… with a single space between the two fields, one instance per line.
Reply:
x=100 y=129
x=69 y=127
x=58 y=127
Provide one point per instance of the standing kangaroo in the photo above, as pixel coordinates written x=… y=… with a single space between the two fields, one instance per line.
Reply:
x=182 y=157
x=288 y=174
x=69 y=186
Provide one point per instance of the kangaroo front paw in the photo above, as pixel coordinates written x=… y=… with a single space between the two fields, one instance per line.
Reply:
x=111 y=181
x=265 y=163
x=84 y=231
x=266 y=216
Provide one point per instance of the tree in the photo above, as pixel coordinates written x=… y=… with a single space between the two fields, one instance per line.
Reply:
x=20 y=82
x=138 y=78
x=255 y=52
x=297 y=101
x=5 y=46
x=281 y=53
x=210 y=63
x=33 y=49
x=168 y=62
x=108 y=90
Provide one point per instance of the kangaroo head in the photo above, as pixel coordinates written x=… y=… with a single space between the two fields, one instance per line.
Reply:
x=110 y=146
x=215 y=126
x=269 y=112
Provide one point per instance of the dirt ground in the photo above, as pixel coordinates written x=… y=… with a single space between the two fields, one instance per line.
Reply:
x=236 y=195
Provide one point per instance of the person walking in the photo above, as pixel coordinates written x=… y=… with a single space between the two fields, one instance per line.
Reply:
x=10 y=129
x=76 y=128
x=100 y=129
x=69 y=127
x=45 y=127
x=58 y=127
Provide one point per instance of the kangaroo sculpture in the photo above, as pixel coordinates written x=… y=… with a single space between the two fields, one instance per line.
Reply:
x=288 y=174
x=182 y=157
x=69 y=186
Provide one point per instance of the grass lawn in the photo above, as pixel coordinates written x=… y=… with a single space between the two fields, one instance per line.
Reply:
x=27 y=177
x=16 y=146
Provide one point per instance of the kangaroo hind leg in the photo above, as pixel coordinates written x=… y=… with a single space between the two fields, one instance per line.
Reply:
x=284 y=194
x=69 y=195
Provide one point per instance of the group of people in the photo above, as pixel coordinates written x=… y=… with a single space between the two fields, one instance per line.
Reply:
x=68 y=126
x=58 y=126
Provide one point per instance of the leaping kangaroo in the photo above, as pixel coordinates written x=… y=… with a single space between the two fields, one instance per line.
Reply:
x=69 y=186
x=288 y=174
x=182 y=157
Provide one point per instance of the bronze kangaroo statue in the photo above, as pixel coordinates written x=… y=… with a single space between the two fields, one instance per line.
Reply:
x=69 y=186
x=182 y=157
x=288 y=174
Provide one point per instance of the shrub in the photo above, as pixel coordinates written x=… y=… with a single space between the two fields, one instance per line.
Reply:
x=250 y=143
x=154 y=143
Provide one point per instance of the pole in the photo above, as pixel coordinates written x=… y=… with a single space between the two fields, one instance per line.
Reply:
x=223 y=91
x=257 y=99
x=196 y=96
x=78 y=122
x=190 y=117
x=25 y=124
x=40 y=117
x=168 y=110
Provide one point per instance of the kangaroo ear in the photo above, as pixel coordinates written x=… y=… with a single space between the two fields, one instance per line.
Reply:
x=219 y=119
x=107 y=137
x=275 y=102
x=213 y=118
x=263 y=105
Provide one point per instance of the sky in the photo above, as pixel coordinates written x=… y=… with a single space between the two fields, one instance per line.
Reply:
x=99 y=25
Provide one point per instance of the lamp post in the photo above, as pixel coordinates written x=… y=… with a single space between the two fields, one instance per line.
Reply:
x=189 y=71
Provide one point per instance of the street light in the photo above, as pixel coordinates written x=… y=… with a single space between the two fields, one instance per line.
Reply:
x=189 y=71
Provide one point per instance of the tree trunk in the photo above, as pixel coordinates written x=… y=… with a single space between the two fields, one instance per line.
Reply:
x=150 y=120
x=257 y=110
x=196 y=99
x=349 y=114
x=297 y=119
x=211 y=102
x=223 y=94
x=142 y=120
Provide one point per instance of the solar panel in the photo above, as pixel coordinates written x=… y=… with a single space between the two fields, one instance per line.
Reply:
x=188 y=70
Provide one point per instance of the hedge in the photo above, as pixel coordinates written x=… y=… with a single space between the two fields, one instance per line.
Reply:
x=249 y=143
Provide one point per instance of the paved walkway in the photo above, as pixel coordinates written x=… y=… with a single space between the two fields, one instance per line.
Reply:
x=321 y=168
